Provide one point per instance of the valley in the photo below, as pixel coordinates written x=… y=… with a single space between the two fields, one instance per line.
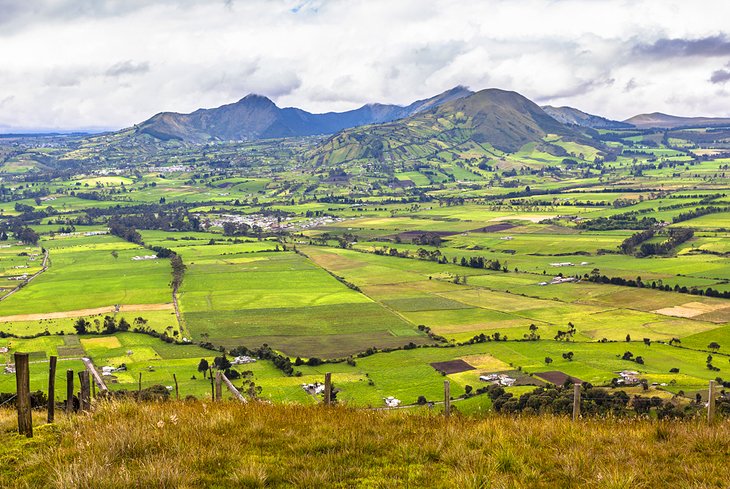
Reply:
x=473 y=227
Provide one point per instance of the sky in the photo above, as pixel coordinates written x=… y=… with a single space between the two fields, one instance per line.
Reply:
x=93 y=64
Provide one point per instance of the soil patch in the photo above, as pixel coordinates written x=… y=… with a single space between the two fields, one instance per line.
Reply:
x=452 y=366
x=495 y=228
x=558 y=378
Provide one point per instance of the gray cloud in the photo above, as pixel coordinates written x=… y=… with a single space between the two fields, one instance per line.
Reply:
x=710 y=46
x=127 y=68
x=720 y=76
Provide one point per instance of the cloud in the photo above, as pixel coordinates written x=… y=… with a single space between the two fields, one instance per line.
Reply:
x=127 y=68
x=90 y=63
x=710 y=46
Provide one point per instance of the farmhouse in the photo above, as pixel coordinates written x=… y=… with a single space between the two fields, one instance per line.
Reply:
x=628 y=377
x=242 y=360
x=562 y=280
x=500 y=379
x=314 y=389
x=392 y=402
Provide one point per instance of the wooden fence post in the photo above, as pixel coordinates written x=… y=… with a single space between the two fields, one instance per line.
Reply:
x=233 y=389
x=93 y=390
x=139 y=387
x=711 y=403
x=328 y=388
x=576 y=401
x=52 y=388
x=84 y=391
x=22 y=401
x=212 y=386
x=447 y=398
x=218 y=386
x=69 y=391
x=177 y=391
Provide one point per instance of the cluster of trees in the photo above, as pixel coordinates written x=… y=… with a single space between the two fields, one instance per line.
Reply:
x=595 y=401
x=700 y=211
x=427 y=239
x=125 y=231
x=241 y=229
x=108 y=326
x=264 y=352
x=596 y=277
x=480 y=262
x=675 y=237
x=619 y=221
x=630 y=357
x=627 y=246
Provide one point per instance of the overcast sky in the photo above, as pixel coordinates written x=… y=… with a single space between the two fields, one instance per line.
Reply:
x=80 y=64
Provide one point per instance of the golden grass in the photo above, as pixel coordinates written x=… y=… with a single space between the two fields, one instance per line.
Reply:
x=197 y=444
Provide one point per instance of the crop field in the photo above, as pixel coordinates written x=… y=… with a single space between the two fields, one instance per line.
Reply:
x=281 y=299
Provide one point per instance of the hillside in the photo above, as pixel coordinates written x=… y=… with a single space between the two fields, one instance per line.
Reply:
x=496 y=121
x=569 y=115
x=257 y=117
x=197 y=444
x=665 y=121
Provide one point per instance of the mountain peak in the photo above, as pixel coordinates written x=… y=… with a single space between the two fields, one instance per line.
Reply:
x=256 y=99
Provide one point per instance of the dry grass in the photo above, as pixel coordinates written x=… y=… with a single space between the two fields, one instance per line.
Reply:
x=196 y=444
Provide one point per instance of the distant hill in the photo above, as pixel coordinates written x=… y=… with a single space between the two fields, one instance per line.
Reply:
x=257 y=117
x=665 y=121
x=501 y=120
x=569 y=115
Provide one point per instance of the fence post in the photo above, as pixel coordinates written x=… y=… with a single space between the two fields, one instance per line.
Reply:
x=139 y=387
x=177 y=391
x=212 y=386
x=447 y=398
x=328 y=388
x=218 y=385
x=22 y=384
x=711 y=403
x=233 y=389
x=52 y=388
x=69 y=391
x=576 y=401
x=84 y=391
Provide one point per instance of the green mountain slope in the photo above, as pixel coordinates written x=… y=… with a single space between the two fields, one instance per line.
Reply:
x=497 y=121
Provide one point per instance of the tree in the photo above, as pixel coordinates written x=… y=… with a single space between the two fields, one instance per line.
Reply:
x=548 y=360
x=647 y=341
x=714 y=346
x=628 y=338
x=123 y=325
x=221 y=362
x=81 y=326
x=203 y=367
x=110 y=326
x=568 y=356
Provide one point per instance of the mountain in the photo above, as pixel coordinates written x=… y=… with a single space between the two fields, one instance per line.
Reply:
x=257 y=117
x=665 y=121
x=569 y=115
x=487 y=122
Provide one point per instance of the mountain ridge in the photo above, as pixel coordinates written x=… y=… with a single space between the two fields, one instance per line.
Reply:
x=667 y=121
x=571 y=115
x=258 y=117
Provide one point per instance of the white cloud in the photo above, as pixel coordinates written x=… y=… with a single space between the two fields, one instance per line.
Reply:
x=69 y=64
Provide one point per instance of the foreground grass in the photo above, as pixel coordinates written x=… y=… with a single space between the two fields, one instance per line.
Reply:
x=196 y=444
